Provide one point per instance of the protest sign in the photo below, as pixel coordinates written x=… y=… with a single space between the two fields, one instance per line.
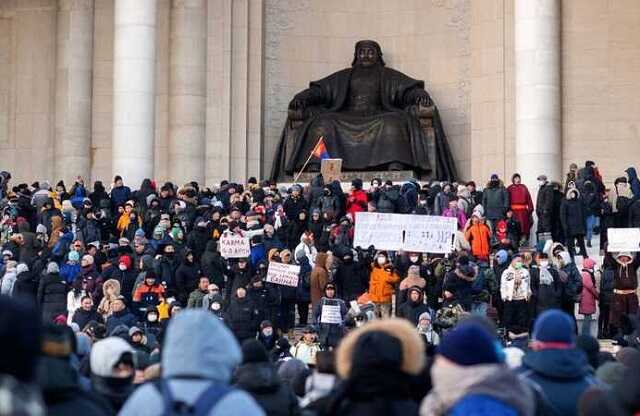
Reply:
x=233 y=246
x=383 y=231
x=330 y=314
x=419 y=233
x=283 y=274
x=331 y=169
x=623 y=239
x=429 y=233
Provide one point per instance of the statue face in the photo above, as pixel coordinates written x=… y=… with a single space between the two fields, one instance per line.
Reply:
x=367 y=56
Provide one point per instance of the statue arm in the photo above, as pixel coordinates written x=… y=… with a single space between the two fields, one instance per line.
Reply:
x=307 y=98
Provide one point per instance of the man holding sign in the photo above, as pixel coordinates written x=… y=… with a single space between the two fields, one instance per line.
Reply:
x=329 y=314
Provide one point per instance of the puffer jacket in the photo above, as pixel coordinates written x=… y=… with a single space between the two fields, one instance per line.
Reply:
x=52 y=296
x=495 y=200
x=572 y=214
x=319 y=278
x=381 y=284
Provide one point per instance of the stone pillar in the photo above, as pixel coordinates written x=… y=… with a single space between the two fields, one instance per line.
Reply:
x=74 y=62
x=187 y=90
x=538 y=99
x=134 y=57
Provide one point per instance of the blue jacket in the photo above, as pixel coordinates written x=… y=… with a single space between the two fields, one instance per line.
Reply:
x=560 y=376
x=634 y=182
x=120 y=195
x=199 y=350
x=70 y=272
x=124 y=317
x=481 y=405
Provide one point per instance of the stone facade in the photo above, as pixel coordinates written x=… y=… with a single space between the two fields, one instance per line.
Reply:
x=225 y=71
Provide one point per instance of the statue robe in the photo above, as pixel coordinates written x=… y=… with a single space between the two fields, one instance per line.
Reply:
x=367 y=129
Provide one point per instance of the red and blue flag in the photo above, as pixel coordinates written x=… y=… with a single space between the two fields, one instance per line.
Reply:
x=320 y=150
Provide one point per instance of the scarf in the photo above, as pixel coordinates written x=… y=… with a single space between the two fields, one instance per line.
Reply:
x=450 y=384
x=545 y=276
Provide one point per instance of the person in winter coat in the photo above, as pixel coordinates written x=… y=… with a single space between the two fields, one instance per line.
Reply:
x=303 y=290
x=442 y=198
x=71 y=269
x=196 y=296
x=259 y=377
x=330 y=333
x=79 y=289
x=634 y=182
x=546 y=286
x=112 y=372
x=30 y=244
x=213 y=264
x=382 y=280
x=186 y=277
x=9 y=278
x=606 y=295
x=200 y=354
x=119 y=193
x=127 y=276
x=593 y=208
x=559 y=372
x=26 y=285
x=458 y=283
x=453 y=211
x=515 y=292
x=86 y=313
x=120 y=315
x=357 y=200
x=625 y=280
x=167 y=266
x=377 y=362
x=413 y=279
x=351 y=278
x=319 y=278
x=521 y=205
x=589 y=297
x=242 y=316
x=110 y=292
x=59 y=380
x=413 y=307
x=478 y=234
x=495 y=200
x=307 y=347
x=52 y=294
x=469 y=378
x=295 y=203
x=241 y=275
x=427 y=332
x=573 y=218
x=149 y=293
x=544 y=205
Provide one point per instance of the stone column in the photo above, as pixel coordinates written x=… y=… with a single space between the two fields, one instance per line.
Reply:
x=187 y=90
x=538 y=100
x=134 y=57
x=74 y=61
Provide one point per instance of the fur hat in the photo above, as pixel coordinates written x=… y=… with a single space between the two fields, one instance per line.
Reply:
x=379 y=334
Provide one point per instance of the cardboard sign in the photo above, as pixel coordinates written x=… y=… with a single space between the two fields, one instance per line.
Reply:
x=623 y=239
x=418 y=233
x=330 y=314
x=283 y=274
x=233 y=246
x=331 y=169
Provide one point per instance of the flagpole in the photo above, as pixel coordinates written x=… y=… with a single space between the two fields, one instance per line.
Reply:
x=308 y=159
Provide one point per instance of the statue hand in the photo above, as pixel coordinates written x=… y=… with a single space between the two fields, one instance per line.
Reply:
x=297 y=104
x=424 y=101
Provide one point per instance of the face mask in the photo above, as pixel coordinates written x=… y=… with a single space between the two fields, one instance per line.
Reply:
x=544 y=263
x=382 y=260
x=215 y=306
x=541 y=183
x=518 y=265
x=414 y=259
x=152 y=317
x=169 y=254
x=267 y=332
x=122 y=267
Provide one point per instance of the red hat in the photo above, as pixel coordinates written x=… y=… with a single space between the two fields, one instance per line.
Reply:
x=126 y=260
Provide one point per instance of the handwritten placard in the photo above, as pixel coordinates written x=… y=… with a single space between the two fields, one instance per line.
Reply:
x=419 y=233
x=330 y=314
x=283 y=274
x=233 y=246
x=623 y=239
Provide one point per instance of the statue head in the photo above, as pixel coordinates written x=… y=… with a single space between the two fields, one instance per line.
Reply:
x=367 y=53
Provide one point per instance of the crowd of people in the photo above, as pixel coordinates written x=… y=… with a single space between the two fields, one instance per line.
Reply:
x=119 y=301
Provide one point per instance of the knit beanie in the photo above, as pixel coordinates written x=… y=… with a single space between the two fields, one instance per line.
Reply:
x=591 y=347
x=468 y=344
x=73 y=256
x=555 y=328
x=253 y=352
x=53 y=268
x=502 y=256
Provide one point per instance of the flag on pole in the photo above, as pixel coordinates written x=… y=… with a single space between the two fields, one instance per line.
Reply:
x=320 y=151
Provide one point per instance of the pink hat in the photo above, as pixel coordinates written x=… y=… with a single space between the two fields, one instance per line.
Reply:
x=589 y=264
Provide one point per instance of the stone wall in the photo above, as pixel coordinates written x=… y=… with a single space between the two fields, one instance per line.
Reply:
x=601 y=84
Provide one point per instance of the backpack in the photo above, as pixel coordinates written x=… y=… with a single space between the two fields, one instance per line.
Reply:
x=201 y=407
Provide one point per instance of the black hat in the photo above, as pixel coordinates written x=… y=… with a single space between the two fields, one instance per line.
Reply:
x=253 y=352
x=357 y=183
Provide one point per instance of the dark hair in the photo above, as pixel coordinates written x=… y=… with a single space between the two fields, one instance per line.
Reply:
x=363 y=43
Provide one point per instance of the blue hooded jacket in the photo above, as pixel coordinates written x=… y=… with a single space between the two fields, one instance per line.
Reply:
x=634 y=182
x=199 y=350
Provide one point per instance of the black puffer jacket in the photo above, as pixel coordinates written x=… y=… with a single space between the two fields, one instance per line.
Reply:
x=213 y=264
x=572 y=214
x=261 y=381
x=186 y=280
x=242 y=318
x=52 y=296
x=26 y=286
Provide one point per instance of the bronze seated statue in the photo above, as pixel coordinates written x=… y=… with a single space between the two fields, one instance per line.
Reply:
x=370 y=116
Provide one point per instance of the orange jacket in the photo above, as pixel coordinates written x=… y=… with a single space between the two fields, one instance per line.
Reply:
x=381 y=284
x=479 y=236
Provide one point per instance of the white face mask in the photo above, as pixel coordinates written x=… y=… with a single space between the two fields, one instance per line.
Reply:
x=215 y=306
x=152 y=318
x=267 y=332
x=541 y=183
x=122 y=267
x=382 y=260
x=544 y=263
x=414 y=259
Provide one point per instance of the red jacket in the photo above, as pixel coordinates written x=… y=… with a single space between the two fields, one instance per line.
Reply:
x=357 y=202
